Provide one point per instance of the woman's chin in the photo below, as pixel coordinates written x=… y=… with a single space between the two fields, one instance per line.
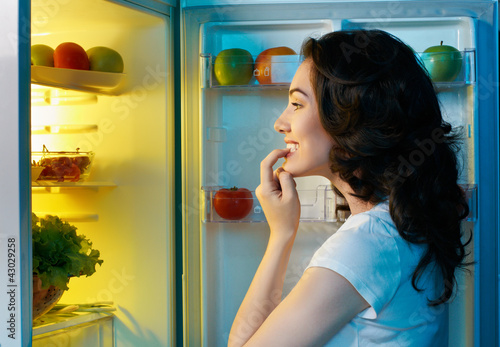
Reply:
x=291 y=170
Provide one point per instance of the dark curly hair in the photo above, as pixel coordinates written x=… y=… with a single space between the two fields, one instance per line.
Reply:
x=380 y=107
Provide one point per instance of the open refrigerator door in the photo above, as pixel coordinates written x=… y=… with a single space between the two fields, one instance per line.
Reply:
x=102 y=159
x=228 y=130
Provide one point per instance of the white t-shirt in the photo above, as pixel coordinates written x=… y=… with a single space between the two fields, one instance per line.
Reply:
x=369 y=252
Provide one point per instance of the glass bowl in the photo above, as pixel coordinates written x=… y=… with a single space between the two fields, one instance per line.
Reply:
x=63 y=166
x=44 y=299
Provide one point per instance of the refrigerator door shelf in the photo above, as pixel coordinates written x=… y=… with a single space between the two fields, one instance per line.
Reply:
x=317 y=205
x=320 y=205
x=440 y=60
x=83 y=80
x=279 y=69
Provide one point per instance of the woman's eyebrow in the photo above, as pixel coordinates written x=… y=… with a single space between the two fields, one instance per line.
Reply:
x=297 y=90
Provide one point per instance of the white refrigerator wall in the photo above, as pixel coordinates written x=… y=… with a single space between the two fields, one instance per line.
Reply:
x=127 y=212
x=228 y=131
x=15 y=265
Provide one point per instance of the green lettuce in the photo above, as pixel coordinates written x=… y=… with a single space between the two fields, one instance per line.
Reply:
x=59 y=253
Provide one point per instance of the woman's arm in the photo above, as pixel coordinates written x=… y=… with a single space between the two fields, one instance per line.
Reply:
x=319 y=305
x=316 y=309
x=280 y=203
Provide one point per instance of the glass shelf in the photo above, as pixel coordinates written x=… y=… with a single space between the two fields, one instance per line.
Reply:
x=106 y=83
x=75 y=329
x=287 y=65
x=60 y=187
x=317 y=205
x=77 y=217
x=63 y=129
x=42 y=95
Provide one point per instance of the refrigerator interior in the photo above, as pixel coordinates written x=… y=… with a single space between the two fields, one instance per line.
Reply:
x=125 y=206
x=230 y=130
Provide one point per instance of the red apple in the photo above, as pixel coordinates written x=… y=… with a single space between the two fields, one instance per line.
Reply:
x=69 y=55
x=263 y=71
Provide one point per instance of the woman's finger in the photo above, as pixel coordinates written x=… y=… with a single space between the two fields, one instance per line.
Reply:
x=266 y=166
x=288 y=184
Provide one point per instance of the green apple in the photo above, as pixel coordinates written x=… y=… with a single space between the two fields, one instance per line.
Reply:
x=42 y=55
x=105 y=59
x=233 y=67
x=442 y=62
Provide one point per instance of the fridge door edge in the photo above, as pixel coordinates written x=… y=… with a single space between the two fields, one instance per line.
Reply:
x=15 y=216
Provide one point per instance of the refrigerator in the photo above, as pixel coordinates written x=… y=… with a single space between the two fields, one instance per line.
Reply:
x=166 y=136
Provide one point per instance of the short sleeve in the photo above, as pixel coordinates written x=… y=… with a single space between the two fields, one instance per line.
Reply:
x=364 y=251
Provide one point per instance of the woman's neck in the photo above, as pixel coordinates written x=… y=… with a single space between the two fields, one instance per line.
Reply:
x=356 y=205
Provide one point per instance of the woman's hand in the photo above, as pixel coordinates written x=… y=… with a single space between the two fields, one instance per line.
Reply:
x=278 y=196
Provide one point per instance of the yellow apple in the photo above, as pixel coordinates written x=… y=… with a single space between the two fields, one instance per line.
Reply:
x=42 y=55
x=105 y=59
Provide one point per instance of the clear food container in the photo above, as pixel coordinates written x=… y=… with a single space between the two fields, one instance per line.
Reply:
x=36 y=171
x=63 y=166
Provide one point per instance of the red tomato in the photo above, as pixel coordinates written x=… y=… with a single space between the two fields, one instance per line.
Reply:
x=234 y=203
x=69 y=55
x=263 y=67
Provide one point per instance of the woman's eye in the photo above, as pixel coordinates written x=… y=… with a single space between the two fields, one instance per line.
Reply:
x=296 y=105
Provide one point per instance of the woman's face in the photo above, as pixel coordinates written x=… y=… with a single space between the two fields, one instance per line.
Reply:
x=308 y=141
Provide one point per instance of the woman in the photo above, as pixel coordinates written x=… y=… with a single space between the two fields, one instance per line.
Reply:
x=363 y=113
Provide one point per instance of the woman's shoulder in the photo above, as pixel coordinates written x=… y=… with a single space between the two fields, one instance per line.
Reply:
x=376 y=221
x=371 y=233
x=374 y=232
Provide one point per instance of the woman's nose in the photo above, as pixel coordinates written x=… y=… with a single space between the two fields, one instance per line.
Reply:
x=282 y=125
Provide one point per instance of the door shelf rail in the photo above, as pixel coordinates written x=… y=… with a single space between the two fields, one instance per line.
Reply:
x=317 y=205
x=471 y=197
